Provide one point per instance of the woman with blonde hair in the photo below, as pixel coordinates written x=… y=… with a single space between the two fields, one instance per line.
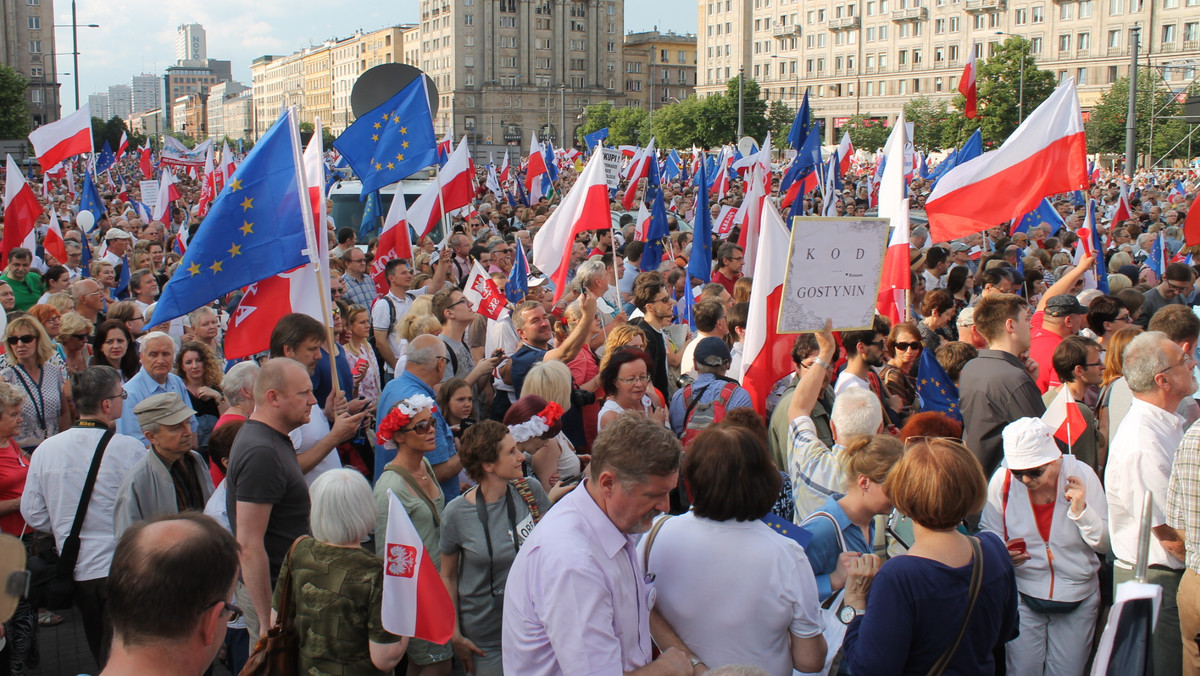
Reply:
x=51 y=320
x=63 y=301
x=31 y=365
x=74 y=338
x=551 y=381
x=741 y=290
x=621 y=335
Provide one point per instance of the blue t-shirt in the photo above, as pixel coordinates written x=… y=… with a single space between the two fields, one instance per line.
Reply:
x=322 y=384
x=523 y=360
x=823 y=550
x=915 y=610
x=398 y=390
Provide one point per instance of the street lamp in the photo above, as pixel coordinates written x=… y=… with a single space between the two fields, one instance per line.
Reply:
x=74 y=26
x=1021 y=86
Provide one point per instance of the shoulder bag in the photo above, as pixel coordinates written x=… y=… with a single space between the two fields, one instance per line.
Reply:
x=60 y=592
x=976 y=583
x=278 y=653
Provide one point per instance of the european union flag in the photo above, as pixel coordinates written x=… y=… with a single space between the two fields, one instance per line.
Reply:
x=673 y=168
x=787 y=529
x=1158 y=256
x=105 y=158
x=799 y=128
x=89 y=197
x=808 y=155
x=937 y=391
x=372 y=212
x=590 y=140
x=392 y=141
x=700 y=263
x=257 y=227
x=1101 y=269
x=1044 y=214
x=123 y=281
x=656 y=234
x=689 y=306
x=517 y=286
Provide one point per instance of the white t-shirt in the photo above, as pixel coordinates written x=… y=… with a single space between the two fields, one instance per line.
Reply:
x=847 y=380
x=307 y=435
x=763 y=584
x=381 y=313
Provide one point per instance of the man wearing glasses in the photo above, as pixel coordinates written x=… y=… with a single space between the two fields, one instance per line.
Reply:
x=1175 y=289
x=56 y=482
x=730 y=260
x=360 y=288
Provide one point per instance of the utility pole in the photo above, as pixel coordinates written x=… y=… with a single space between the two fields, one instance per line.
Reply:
x=75 y=51
x=741 y=92
x=562 y=115
x=1131 y=115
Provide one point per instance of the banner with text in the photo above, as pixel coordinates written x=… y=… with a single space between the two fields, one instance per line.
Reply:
x=833 y=272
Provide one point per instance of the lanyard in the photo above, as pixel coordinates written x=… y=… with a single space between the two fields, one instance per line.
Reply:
x=39 y=403
x=481 y=510
x=89 y=424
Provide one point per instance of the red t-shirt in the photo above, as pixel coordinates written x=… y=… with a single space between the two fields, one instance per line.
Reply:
x=13 y=469
x=1042 y=344
x=1044 y=515
x=720 y=278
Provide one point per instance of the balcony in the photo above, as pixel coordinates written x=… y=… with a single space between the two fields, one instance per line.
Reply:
x=1191 y=45
x=845 y=23
x=1082 y=52
x=1169 y=47
x=869 y=70
x=911 y=14
x=902 y=67
x=1117 y=51
x=978 y=6
x=783 y=32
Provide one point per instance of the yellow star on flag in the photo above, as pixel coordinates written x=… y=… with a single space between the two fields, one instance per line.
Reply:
x=236 y=185
x=194 y=268
x=379 y=126
x=404 y=145
x=378 y=167
x=215 y=267
x=386 y=116
x=403 y=130
x=247 y=203
x=247 y=227
x=235 y=250
x=391 y=165
x=400 y=157
x=375 y=137
x=396 y=119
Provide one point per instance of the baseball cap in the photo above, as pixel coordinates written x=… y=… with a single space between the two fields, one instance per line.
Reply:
x=165 y=409
x=1064 y=304
x=712 y=351
x=116 y=233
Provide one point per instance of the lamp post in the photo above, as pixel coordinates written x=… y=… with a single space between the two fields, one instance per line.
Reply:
x=74 y=26
x=741 y=88
x=1021 y=85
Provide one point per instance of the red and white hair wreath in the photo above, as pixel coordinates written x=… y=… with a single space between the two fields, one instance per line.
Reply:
x=400 y=416
x=538 y=424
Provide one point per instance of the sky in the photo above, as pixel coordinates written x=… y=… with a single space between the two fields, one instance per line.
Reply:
x=138 y=36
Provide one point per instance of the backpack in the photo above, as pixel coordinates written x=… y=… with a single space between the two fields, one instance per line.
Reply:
x=383 y=375
x=698 y=417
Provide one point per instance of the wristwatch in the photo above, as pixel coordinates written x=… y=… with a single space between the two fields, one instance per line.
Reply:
x=848 y=613
x=695 y=661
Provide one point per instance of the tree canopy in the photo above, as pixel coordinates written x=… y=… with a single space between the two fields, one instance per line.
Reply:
x=999 y=86
x=1105 y=127
x=14 y=112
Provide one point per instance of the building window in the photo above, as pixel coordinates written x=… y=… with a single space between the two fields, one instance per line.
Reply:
x=1037 y=14
x=1168 y=34
x=35 y=23
x=35 y=46
x=1112 y=74
x=1066 y=11
x=1064 y=43
x=1114 y=39
x=1035 y=45
x=35 y=95
x=35 y=71
x=1083 y=41
x=954 y=24
x=1081 y=76
x=1191 y=31
x=939 y=27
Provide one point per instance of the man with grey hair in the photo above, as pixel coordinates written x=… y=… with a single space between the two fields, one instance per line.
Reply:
x=155 y=377
x=171 y=478
x=55 y=491
x=74 y=262
x=427 y=361
x=1159 y=374
x=594 y=276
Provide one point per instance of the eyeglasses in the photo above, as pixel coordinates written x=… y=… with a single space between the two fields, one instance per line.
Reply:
x=122 y=395
x=234 y=611
x=1182 y=288
x=440 y=358
x=904 y=347
x=664 y=299
x=138 y=319
x=421 y=427
x=1035 y=473
x=460 y=301
x=27 y=339
x=635 y=379
x=1091 y=364
x=1183 y=362
x=1124 y=318
x=879 y=343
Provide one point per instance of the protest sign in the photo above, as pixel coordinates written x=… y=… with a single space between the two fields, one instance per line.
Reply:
x=149 y=193
x=612 y=167
x=723 y=224
x=832 y=272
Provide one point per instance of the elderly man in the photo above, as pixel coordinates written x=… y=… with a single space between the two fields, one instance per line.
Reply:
x=171 y=478
x=118 y=242
x=155 y=377
x=360 y=288
x=167 y=596
x=584 y=551
x=26 y=287
x=427 y=361
x=712 y=360
x=57 y=491
x=89 y=300
x=266 y=496
x=1159 y=374
x=594 y=276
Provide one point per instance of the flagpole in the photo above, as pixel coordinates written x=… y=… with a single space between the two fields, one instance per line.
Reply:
x=441 y=206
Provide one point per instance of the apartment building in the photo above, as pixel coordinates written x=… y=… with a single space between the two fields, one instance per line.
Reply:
x=660 y=68
x=27 y=45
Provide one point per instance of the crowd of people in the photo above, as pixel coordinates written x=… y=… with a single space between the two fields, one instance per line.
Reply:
x=581 y=466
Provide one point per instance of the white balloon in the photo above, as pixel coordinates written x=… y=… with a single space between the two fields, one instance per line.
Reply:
x=86 y=220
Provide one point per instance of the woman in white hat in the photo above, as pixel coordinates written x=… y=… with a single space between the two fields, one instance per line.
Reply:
x=1051 y=511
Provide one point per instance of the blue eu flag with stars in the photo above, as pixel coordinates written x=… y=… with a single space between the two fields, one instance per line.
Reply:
x=393 y=141
x=255 y=229
x=937 y=391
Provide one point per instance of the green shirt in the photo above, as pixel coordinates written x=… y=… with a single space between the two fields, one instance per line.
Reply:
x=26 y=291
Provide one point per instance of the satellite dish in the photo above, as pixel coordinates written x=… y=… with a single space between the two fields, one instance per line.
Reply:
x=384 y=81
x=747 y=146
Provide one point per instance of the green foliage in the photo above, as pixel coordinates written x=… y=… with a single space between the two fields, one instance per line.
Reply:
x=626 y=126
x=327 y=138
x=754 y=109
x=866 y=133
x=1106 y=125
x=935 y=125
x=711 y=121
x=111 y=131
x=14 y=112
x=779 y=121
x=596 y=116
x=999 y=83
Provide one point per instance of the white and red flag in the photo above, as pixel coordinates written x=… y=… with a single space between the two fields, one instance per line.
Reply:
x=895 y=280
x=68 y=137
x=457 y=179
x=1063 y=416
x=144 y=163
x=208 y=187
x=767 y=356
x=21 y=212
x=483 y=293
x=845 y=153
x=535 y=169
x=504 y=170
x=123 y=145
x=415 y=602
x=750 y=217
x=641 y=224
x=53 y=243
x=585 y=207
x=167 y=193
x=639 y=168
x=967 y=86
x=394 y=242
x=1046 y=155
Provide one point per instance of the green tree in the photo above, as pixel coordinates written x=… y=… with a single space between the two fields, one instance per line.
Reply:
x=14 y=112
x=629 y=126
x=999 y=82
x=111 y=131
x=779 y=121
x=1105 y=127
x=866 y=132
x=935 y=125
x=754 y=110
x=596 y=116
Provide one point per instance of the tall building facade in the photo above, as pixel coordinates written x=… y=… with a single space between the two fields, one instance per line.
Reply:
x=120 y=100
x=184 y=80
x=228 y=110
x=660 y=68
x=276 y=81
x=27 y=46
x=507 y=70
x=146 y=92
x=191 y=44
x=98 y=105
x=872 y=56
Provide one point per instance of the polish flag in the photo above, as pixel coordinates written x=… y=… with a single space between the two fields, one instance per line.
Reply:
x=751 y=214
x=68 y=137
x=585 y=207
x=123 y=145
x=966 y=86
x=415 y=602
x=228 y=165
x=1046 y=155
x=726 y=219
x=845 y=153
x=768 y=355
x=638 y=169
x=167 y=193
x=504 y=170
x=641 y=224
x=893 y=205
x=21 y=212
x=483 y=293
x=426 y=213
x=1123 y=212
x=534 y=170
x=144 y=163
x=1191 y=227
x=457 y=179
x=394 y=242
x=53 y=243
x=1063 y=416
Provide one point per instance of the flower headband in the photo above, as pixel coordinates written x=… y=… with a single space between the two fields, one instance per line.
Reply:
x=538 y=424
x=399 y=417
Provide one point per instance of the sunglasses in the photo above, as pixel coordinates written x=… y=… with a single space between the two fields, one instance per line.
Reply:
x=1035 y=473
x=421 y=427
x=27 y=339
x=904 y=347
